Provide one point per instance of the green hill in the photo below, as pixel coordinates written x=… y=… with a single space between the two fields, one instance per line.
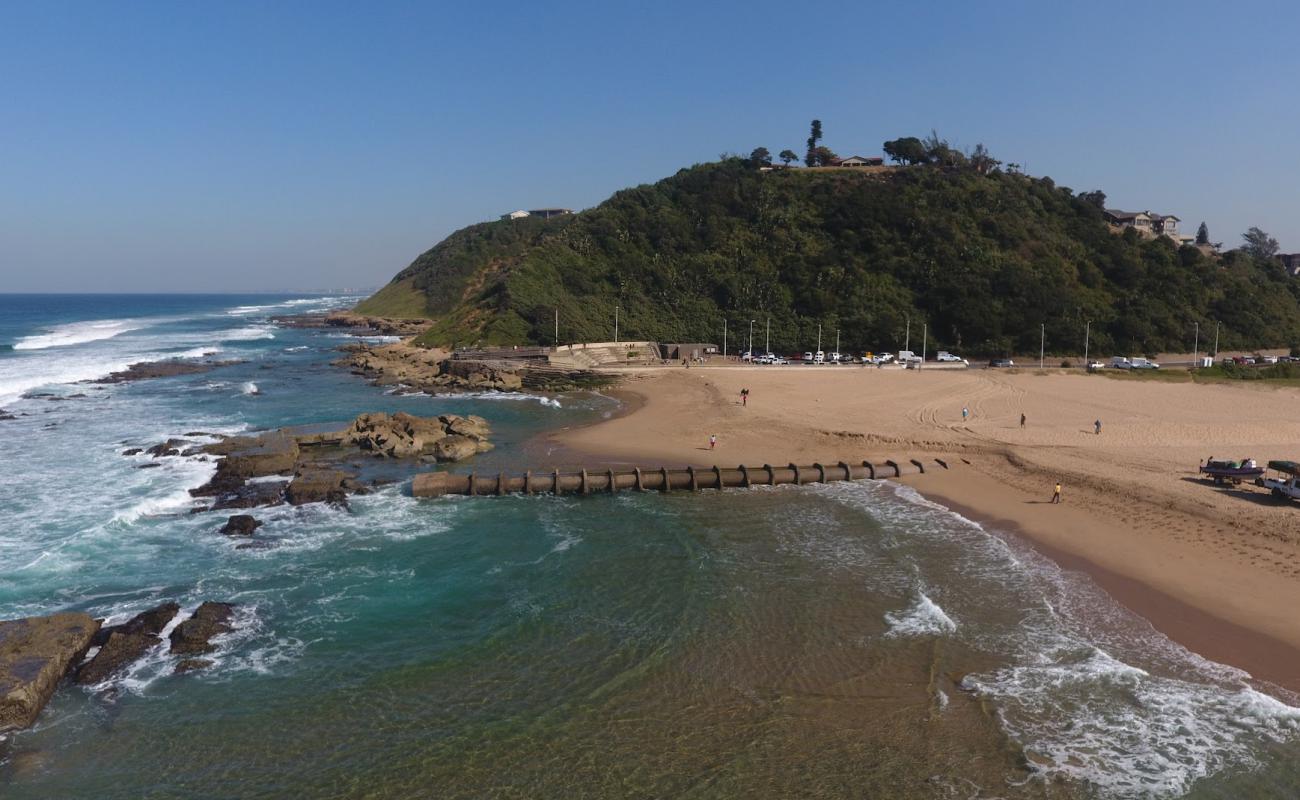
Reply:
x=983 y=259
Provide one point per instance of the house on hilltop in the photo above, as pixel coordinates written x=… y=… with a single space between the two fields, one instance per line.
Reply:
x=1290 y=262
x=858 y=161
x=544 y=213
x=1147 y=223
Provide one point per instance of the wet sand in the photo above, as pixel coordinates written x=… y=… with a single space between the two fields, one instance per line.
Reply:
x=1217 y=570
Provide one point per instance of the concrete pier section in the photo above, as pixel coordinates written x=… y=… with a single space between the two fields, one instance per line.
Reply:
x=665 y=479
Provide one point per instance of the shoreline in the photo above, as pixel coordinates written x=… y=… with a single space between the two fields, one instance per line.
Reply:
x=1197 y=569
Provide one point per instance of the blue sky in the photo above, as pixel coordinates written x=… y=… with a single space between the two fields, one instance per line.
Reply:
x=250 y=146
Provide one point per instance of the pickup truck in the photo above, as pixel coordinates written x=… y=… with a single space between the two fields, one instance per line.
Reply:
x=944 y=355
x=1286 y=481
x=907 y=356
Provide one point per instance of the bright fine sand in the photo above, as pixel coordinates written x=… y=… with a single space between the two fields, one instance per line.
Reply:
x=1217 y=569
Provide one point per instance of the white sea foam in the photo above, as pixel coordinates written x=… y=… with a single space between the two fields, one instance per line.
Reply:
x=550 y=402
x=923 y=618
x=248 y=387
x=250 y=333
x=78 y=333
x=1093 y=693
x=168 y=489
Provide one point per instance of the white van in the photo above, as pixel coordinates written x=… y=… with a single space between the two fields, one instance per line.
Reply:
x=819 y=357
x=907 y=356
x=1120 y=362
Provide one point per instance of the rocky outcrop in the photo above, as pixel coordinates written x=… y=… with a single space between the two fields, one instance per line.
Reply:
x=241 y=525
x=35 y=653
x=194 y=635
x=428 y=370
x=191 y=664
x=255 y=456
x=161 y=369
x=121 y=649
x=357 y=324
x=404 y=435
x=316 y=485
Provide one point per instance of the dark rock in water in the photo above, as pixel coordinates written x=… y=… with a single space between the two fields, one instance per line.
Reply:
x=252 y=495
x=161 y=369
x=197 y=433
x=192 y=637
x=219 y=485
x=122 y=648
x=147 y=466
x=171 y=447
x=255 y=545
x=133 y=451
x=152 y=622
x=35 y=653
x=191 y=664
x=5 y=415
x=241 y=525
x=316 y=485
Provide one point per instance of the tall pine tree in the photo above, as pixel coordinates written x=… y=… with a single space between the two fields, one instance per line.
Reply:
x=1203 y=234
x=814 y=137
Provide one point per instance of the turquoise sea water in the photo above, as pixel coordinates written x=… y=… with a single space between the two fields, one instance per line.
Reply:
x=833 y=641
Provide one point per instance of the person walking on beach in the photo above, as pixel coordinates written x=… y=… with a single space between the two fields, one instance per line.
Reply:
x=1096 y=427
x=1056 y=496
x=965 y=412
x=1022 y=419
x=713 y=440
x=744 y=397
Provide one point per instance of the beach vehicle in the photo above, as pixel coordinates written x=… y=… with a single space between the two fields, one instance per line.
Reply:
x=944 y=355
x=777 y=360
x=819 y=357
x=1284 y=482
x=1142 y=363
x=882 y=358
x=1002 y=362
x=1093 y=366
x=1266 y=359
x=1120 y=362
x=807 y=357
x=906 y=356
x=834 y=357
x=1223 y=471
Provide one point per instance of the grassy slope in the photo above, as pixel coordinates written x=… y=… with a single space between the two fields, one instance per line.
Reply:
x=399 y=300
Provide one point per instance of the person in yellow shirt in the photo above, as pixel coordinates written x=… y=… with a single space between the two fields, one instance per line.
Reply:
x=1056 y=496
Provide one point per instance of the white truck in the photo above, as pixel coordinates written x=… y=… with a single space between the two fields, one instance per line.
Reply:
x=944 y=355
x=1283 y=479
x=908 y=357
x=1120 y=362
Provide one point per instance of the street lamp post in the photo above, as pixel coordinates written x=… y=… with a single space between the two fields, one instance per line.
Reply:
x=907 y=337
x=1196 y=344
x=837 y=341
x=724 y=338
x=557 y=327
x=925 y=341
x=1216 y=339
x=1086 y=331
x=750 y=350
x=615 y=324
x=1042 y=340
x=767 y=340
x=819 y=338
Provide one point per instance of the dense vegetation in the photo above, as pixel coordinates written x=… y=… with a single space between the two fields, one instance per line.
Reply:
x=982 y=256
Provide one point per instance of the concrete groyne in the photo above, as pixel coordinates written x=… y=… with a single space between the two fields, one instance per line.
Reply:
x=664 y=479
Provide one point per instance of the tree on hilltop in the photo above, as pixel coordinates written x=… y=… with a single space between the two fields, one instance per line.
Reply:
x=907 y=150
x=822 y=156
x=1259 y=245
x=814 y=136
x=1094 y=198
x=1203 y=234
x=982 y=160
x=787 y=156
x=760 y=157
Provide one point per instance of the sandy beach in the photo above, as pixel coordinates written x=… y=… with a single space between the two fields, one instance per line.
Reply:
x=1216 y=569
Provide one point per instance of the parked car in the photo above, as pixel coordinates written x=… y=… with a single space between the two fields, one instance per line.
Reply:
x=834 y=357
x=1120 y=362
x=944 y=355
x=819 y=357
x=1142 y=363
x=882 y=358
x=808 y=357
x=907 y=355
x=1002 y=362
x=778 y=360
x=1266 y=359
x=1093 y=366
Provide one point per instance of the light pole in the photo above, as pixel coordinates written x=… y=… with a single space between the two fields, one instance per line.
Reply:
x=767 y=340
x=557 y=327
x=925 y=341
x=837 y=341
x=1216 y=340
x=750 y=350
x=907 y=337
x=1042 y=340
x=1086 y=326
x=819 y=338
x=1196 y=344
x=615 y=324
x=724 y=338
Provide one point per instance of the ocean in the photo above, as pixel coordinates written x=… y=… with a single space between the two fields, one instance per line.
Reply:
x=846 y=640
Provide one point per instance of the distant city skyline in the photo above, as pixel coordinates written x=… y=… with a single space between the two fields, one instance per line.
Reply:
x=252 y=147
